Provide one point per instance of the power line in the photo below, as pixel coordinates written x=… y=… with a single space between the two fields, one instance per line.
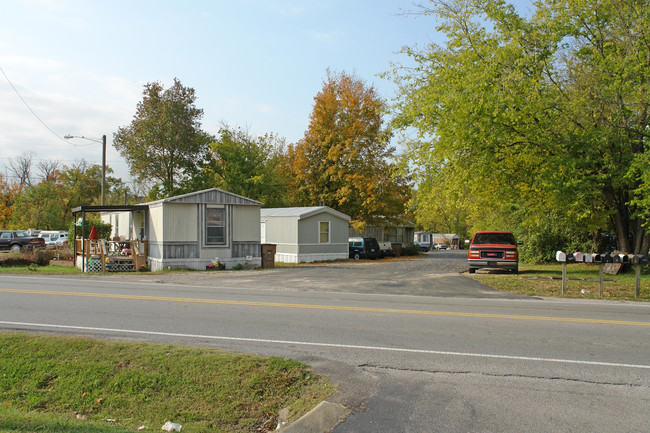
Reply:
x=30 y=108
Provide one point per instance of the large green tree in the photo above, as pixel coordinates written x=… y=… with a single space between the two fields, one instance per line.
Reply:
x=164 y=145
x=246 y=165
x=539 y=118
x=81 y=184
x=344 y=160
x=40 y=206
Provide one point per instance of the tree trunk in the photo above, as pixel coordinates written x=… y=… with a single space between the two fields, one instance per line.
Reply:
x=621 y=221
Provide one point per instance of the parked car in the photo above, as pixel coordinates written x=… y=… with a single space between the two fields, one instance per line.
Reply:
x=423 y=247
x=17 y=240
x=440 y=246
x=363 y=248
x=495 y=250
x=52 y=238
x=386 y=249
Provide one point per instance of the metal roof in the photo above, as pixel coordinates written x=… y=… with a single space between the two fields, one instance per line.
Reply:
x=212 y=195
x=110 y=208
x=301 y=212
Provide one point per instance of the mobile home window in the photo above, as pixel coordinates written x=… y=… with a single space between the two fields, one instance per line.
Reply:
x=215 y=226
x=396 y=235
x=324 y=232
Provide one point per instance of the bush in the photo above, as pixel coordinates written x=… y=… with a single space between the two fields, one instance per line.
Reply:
x=43 y=257
x=27 y=258
x=37 y=257
x=411 y=250
x=103 y=229
x=14 y=261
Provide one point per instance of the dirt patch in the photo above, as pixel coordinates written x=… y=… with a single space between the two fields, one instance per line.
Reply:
x=65 y=263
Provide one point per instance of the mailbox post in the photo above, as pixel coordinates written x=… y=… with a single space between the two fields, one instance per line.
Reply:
x=561 y=257
x=639 y=262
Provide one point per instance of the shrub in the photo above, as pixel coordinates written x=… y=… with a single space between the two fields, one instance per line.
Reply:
x=43 y=257
x=36 y=257
x=410 y=250
x=103 y=229
x=14 y=260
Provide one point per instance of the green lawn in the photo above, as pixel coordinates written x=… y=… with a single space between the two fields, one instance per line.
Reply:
x=545 y=280
x=63 y=384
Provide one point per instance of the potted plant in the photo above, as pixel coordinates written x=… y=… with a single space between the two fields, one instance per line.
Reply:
x=216 y=265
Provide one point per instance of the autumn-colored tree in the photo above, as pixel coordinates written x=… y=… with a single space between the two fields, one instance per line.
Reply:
x=8 y=193
x=343 y=160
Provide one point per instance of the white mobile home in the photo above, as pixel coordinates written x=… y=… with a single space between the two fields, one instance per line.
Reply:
x=305 y=234
x=193 y=230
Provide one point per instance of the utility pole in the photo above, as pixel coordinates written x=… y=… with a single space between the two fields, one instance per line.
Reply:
x=103 y=170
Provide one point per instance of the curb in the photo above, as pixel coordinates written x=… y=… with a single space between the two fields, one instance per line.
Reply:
x=322 y=418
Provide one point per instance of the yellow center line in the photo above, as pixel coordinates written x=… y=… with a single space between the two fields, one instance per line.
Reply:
x=325 y=307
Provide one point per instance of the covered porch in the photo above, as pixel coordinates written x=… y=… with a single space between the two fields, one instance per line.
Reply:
x=119 y=253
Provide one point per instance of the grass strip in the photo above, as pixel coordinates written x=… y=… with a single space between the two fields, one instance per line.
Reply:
x=67 y=384
x=582 y=282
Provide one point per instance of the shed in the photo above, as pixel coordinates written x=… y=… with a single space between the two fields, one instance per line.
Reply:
x=305 y=234
x=193 y=230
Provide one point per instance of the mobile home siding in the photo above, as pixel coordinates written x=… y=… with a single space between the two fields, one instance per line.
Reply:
x=296 y=232
x=245 y=223
x=179 y=222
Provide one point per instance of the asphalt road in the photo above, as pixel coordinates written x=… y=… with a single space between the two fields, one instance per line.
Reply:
x=414 y=345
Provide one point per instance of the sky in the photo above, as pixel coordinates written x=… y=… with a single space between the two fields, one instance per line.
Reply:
x=78 y=67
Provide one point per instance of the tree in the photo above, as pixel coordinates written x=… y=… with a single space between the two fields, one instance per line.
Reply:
x=164 y=144
x=81 y=185
x=246 y=165
x=40 y=206
x=8 y=193
x=343 y=160
x=536 y=118
x=49 y=170
x=21 y=168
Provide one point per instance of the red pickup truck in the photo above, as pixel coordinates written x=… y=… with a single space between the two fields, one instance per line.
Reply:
x=493 y=250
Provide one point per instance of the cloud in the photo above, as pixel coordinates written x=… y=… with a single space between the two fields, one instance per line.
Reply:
x=265 y=108
x=68 y=99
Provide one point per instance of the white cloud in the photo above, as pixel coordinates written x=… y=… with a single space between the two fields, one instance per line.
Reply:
x=69 y=99
x=265 y=108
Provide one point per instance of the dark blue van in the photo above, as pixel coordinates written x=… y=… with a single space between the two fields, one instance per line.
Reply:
x=363 y=248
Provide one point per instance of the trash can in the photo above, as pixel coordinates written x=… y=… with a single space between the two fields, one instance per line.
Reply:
x=268 y=255
x=397 y=249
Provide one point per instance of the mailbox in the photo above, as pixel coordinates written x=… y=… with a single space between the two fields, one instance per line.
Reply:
x=607 y=258
x=639 y=260
x=618 y=258
x=579 y=257
x=589 y=258
x=570 y=258
x=624 y=258
x=560 y=256
x=598 y=258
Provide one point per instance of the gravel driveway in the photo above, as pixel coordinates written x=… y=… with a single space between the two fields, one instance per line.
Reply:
x=433 y=274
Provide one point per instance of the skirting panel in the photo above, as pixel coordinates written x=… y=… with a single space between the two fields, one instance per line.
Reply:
x=308 y=258
x=200 y=264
